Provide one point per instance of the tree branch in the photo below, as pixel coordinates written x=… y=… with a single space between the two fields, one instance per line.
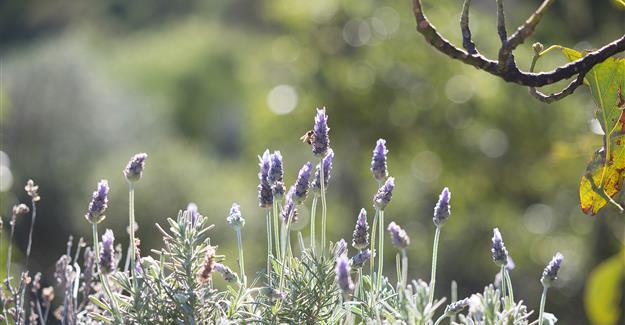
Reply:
x=505 y=67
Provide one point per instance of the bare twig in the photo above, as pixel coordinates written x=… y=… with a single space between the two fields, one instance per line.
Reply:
x=505 y=67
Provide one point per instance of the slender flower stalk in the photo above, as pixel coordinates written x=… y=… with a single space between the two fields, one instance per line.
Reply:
x=319 y=185
x=550 y=275
x=400 y=239
x=501 y=257
x=442 y=211
x=313 y=212
x=236 y=221
x=381 y=199
x=32 y=191
x=133 y=173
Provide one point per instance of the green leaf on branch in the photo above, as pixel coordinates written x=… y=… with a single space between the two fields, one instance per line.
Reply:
x=605 y=79
x=603 y=291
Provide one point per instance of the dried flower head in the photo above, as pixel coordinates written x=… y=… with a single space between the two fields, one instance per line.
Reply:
x=320 y=138
x=99 y=203
x=47 y=294
x=208 y=267
x=499 y=251
x=361 y=258
x=378 y=161
x=360 y=238
x=265 y=196
x=343 y=276
x=20 y=210
x=226 y=273
x=276 y=169
x=341 y=248
x=550 y=273
x=384 y=194
x=289 y=210
x=399 y=237
x=134 y=169
x=234 y=217
x=32 y=190
x=107 y=257
x=302 y=184
x=327 y=168
x=442 y=210
x=457 y=306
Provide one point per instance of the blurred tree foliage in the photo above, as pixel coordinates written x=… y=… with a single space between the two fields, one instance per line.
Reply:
x=204 y=87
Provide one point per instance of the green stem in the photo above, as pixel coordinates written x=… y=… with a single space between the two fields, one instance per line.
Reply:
x=324 y=208
x=440 y=319
x=404 y=269
x=241 y=257
x=276 y=231
x=359 y=285
x=381 y=251
x=509 y=285
x=543 y=299
x=131 y=221
x=269 y=245
x=103 y=277
x=313 y=210
x=503 y=284
x=374 y=226
x=437 y=236
x=285 y=229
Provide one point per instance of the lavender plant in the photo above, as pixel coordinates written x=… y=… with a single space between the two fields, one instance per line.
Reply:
x=327 y=285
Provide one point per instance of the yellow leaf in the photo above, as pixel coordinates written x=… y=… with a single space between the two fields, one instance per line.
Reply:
x=603 y=291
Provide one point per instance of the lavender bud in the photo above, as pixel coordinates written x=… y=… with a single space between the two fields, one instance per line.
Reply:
x=278 y=190
x=458 y=306
x=499 y=251
x=327 y=168
x=193 y=211
x=399 y=237
x=442 y=210
x=320 y=138
x=265 y=196
x=99 y=203
x=289 y=210
x=276 y=171
x=384 y=194
x=302 y=183
x=361 y=258
x=107 y=258
x=204 y=274
x=134 y=169
x=341 y=248
x=360 y=238
x=378 y=161
x=226 y=273
x=343 y=276
x=550 y=274
x=234 y=217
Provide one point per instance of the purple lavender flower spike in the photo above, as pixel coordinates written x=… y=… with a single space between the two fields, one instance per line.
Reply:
x=276 y=170
x=341 y=247
x=226 y=273
x=343 y=277
x=99 y=203
x=442 y=210
x=360 y=238
x=550 y=274
x=361 y=258
x=289 y=211
x=193 y=211
x=277 y=190
x=320 y=138
x=399 y=237
x=499 y=251
x=107 y=258
x=265 y=195
x=327 y=168
x=384 y=194
x=378 y=161
x=134 y=169
x=234 y=217
x=302 y=184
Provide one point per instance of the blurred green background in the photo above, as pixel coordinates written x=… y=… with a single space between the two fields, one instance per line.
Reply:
x=205 y=86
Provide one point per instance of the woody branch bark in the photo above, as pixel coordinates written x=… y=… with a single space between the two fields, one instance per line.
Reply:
x=505 y=66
